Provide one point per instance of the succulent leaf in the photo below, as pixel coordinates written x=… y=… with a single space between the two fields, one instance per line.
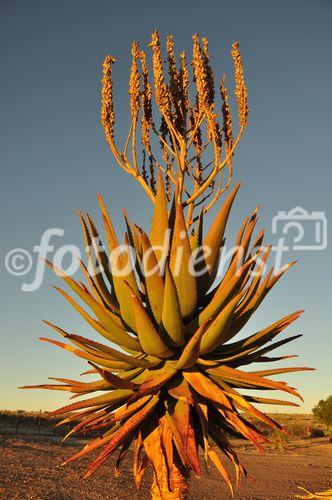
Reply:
x=181 y=265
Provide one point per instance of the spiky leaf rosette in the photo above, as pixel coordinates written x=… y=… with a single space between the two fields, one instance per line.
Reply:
x=173 y=377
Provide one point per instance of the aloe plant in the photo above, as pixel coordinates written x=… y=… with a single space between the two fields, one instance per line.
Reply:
x=173 y=374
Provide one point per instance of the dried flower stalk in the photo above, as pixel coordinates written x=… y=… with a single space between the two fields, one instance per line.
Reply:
x=196 y=141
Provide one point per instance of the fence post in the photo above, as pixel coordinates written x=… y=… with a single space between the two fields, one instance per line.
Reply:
x=17 y=420
x=39 y=422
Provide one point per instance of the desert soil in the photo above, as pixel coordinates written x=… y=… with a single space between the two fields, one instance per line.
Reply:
x=30 y=469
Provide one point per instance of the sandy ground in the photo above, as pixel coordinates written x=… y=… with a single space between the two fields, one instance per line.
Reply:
x=30 y=469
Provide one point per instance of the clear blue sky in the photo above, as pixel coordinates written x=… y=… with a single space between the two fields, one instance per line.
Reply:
x=54 y=157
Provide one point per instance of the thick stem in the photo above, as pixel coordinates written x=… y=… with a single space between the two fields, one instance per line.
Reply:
x=179 y=484
x=175 y=488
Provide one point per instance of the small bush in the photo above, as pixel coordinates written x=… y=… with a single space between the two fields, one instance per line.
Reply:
x=297 y=429
x=278 y=440
x=323 y=412
x=318 y=430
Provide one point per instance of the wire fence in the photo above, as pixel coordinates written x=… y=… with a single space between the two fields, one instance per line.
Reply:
x=36 y=423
